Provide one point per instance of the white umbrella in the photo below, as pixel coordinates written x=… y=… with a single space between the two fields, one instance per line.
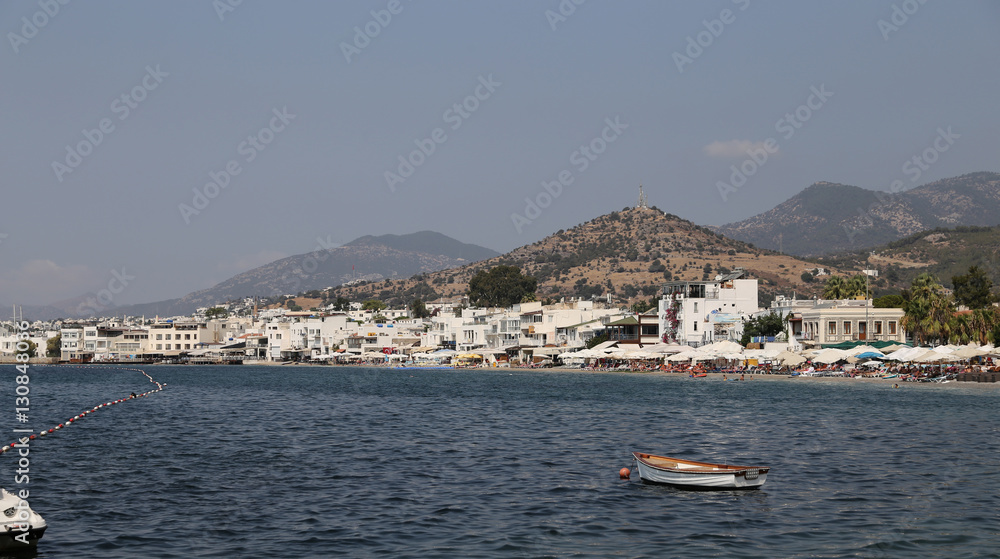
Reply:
x=684 y=356
x=830 y=355
x=968 y=352
x=789 y=358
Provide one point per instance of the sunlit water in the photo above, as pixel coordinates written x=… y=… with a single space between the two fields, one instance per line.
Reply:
x=319 y=462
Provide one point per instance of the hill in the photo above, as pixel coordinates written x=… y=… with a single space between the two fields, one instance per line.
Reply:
x=427 y=242
x=367 y=258
x=942 y=252
x=828 y=218
x=627 y=255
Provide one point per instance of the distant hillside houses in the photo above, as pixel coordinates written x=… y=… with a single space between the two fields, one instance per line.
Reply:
x=689 y=312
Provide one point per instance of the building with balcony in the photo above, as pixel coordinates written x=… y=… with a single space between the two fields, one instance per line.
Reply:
x=708 y=311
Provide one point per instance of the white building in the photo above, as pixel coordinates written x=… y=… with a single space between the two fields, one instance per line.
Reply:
x=832 y=322
x=707 y=311
x=171 y=339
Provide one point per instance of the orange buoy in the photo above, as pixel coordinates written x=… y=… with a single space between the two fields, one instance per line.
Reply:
x=624 y=473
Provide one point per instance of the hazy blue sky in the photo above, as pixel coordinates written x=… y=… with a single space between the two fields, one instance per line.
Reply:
x=82 y=206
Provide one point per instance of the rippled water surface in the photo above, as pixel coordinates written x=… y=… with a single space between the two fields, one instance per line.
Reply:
x=320 y=462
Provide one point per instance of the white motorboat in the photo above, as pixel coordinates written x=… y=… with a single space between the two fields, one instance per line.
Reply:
x=20 y=527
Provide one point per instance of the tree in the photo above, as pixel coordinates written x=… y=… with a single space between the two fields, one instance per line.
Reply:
x=807 y=277
x=32 y=348
x=597 y=340
x=215 y=312
x=973 y=290
x=894 y=301
x=835 y=288
x=927 y=311
x=342 y=304
x=857 y=286
x=373 y=305
x=770 y=324
x=53 y=347
x=418 y=309
x=502 y=286
x=640 y=307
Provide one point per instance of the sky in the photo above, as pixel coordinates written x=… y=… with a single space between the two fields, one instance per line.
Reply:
x=150 y=149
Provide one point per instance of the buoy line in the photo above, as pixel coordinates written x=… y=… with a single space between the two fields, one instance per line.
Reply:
x=30 y=437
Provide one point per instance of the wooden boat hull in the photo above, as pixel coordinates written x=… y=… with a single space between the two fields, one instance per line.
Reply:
x=697 y=475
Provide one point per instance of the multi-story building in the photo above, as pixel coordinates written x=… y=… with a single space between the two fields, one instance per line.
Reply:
x=707 y=311
x=171 y=339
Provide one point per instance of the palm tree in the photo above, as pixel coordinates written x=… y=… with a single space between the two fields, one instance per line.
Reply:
x=929 y=313
x=856 y=286
x=835 y=288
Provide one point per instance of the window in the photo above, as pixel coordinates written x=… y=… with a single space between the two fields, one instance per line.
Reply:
x=878 y=327
x=831 y=328
x=892 y=327
x=159 y=337
x=695 y=326
x=696 y=307
x=187 y=336
x=177 y=346
x=159 y=346
x=168 y=336
x=187 y=346
x=847 y=327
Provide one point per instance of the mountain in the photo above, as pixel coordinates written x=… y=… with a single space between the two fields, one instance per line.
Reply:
x=627 y=254
x=367 y=258
x=942 y=252
x=827 y=218
x=428 y=242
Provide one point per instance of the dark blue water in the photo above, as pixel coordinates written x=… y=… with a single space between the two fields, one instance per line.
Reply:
x=320 y=462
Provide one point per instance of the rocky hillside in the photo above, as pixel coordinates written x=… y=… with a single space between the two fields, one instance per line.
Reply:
x=627 y=254
x=942 y=252
x=828 y=218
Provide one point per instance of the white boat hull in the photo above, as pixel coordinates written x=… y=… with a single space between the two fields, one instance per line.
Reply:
x=698 y=475
x=20 y=527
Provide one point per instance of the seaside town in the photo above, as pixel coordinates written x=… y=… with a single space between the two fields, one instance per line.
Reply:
x=697 y=327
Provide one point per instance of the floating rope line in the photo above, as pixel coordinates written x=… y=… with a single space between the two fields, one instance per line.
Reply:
x=24 y=440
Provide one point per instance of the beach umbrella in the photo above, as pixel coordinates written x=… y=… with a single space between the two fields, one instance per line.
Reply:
x=968 y=352
x=872 y=364
x=790 y=359
x=871 y=355
x=666 y=348
x=933 y=356
x=830 y=355
x=684 y=356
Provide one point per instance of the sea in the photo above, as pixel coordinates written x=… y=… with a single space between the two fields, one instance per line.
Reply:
x=286 y=461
